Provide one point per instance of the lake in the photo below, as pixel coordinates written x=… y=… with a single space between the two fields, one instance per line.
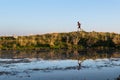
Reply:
x=60 y=65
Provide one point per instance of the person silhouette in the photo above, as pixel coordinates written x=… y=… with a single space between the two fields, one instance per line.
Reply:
x=79 y=25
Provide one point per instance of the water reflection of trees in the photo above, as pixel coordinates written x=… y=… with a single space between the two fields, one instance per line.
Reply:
x=60 y=54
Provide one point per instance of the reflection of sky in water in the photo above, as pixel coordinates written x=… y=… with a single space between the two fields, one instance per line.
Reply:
x=99 y=69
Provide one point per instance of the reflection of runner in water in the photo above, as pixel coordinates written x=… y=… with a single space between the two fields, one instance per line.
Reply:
x=79 y=64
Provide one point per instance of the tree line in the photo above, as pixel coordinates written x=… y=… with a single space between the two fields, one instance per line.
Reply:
x=72 y=40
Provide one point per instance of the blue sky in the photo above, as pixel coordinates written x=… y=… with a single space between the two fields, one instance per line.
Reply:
x=23 y=17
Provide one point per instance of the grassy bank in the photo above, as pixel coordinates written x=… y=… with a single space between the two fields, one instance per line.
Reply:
x=72 y=40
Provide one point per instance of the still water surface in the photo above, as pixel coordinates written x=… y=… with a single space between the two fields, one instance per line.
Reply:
x=59 y=65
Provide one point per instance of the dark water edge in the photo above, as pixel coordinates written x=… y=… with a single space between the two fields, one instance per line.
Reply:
x=59 y=54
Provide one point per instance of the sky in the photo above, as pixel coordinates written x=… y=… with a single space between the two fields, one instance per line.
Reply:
x=24 y=17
